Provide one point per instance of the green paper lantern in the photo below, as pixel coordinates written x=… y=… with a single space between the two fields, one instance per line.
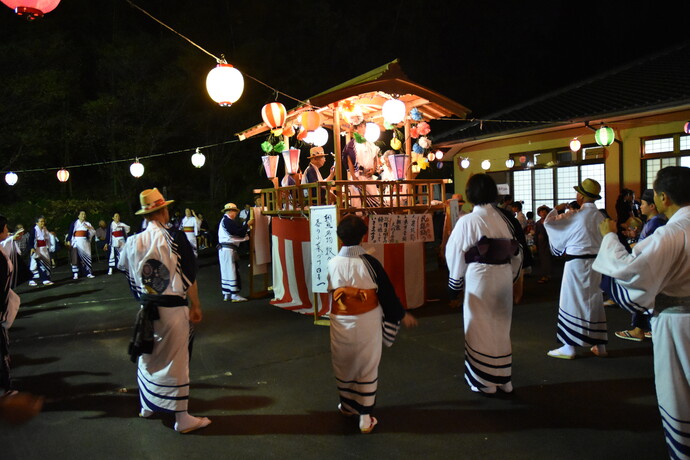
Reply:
x=266 y=147
x=279 y=147
x=604 y=136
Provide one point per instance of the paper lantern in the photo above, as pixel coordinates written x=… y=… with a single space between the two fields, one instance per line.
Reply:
x=510 y=163
x=398 y=164
x=604 y=136
x=63 y=175
x=465 y=163
x=11 y=178
x=136 y=169
x=575 y=145
x=270 y=163
x=439 y=154
x=523 y=159
x=274 y=114
x=396 y=144
x=393 y=111
x=431 y=156
x=319 y=136
x=686 y=128
x=291 y=158
x=224 y=84
x=289 y=131
x=486 y=165
x=310 y=120
x=372 y=132
x=32 y=9
x=198 y=159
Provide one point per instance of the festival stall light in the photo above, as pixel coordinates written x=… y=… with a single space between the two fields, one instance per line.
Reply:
x=11 y=178
x=31 y=9
x=224 y=84
x=398 y=165
x=575 y=145
x=291 y=158
x=686 y=128
x=486 y=165
x=465 y=163
x=63 y=175
x=393 y=111
x=372 y=132
x=273 y=114
x=136 y=169
x=319 y=136
x=604 y=136
x=198 y=159
x=510 y=163
x=439 y=154
x=310 y=120
x=431 y=156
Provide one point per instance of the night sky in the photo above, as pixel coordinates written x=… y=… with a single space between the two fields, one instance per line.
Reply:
x=486 y=55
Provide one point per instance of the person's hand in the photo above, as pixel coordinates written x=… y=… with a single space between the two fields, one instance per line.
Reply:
x=607 y=226
x=105 y=248
x=195 y=315
x=409 y=321
x=561 y=207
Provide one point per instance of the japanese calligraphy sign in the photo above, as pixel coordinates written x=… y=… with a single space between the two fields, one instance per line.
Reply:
x=400 y=228
x=324 y=244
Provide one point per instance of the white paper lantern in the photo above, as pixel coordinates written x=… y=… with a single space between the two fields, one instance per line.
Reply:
x=465 y=163
x=575 y=145
x=136 y=169
x=198 y=159
x=510 y=163
x=393 y=111
x=224 y=84
x=63 y=175
x=372 y=132
x=11 y=178
x=319 y=136
x=486 y=165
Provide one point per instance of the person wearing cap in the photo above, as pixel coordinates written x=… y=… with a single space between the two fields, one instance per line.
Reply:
x=79 y=239
x=40 y=243
x=312 y=173
x=190 y=226
x=656 y=274
x=575 y=236
x=161 y=270
x=115 y=239
x=641 y=327
x=230 y=235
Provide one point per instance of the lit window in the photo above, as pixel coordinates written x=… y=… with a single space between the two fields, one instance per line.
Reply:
x=658 y=145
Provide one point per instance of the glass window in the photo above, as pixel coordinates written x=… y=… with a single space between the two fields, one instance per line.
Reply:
x=522 y=188
x=543 y=188
x=566 y=179
x=658 y=145
x=596 y=172
x=685 y=142
x=651 y=167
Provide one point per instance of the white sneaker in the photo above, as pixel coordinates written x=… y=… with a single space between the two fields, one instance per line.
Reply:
x=90 y=276
x=238 y=298
x=32 y=283
x=47 y=283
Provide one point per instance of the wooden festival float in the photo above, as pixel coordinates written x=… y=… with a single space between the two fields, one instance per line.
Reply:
x=303 y=218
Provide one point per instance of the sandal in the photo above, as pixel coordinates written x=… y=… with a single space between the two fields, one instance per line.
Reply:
x=626 y=335
x=371 y=426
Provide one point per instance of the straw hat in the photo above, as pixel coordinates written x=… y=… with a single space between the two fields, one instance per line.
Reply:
x=315 y=152
x=230 y=207
x=589 y=188
x=152 y=200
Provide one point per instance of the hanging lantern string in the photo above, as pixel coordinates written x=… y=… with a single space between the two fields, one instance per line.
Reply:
x=221 y=59
x=122 y=160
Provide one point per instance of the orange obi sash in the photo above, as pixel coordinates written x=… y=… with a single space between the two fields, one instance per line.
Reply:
x=81 y=233
x=353 y=301
x=188 y=229
x=118 y=233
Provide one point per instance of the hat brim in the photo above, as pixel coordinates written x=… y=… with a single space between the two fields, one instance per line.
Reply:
x=583 y=192
x=230 y=209
x=149 y=211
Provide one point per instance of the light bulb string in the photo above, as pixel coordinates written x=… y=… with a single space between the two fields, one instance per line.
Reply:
x=221 y=59
x=122 y=160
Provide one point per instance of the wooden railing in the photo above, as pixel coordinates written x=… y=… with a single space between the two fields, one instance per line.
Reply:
x=373 y=197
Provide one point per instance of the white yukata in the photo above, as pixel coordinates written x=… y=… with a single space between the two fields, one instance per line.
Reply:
x=657 y=274
x=117 y=235
x=230 y=235
x=488 y=297
x=581 y=315
x=190 y=225
x=160 y=268
x=41 y=243
x=10 y=277
x=366 y=154
x=356 y=340
x=80 y=234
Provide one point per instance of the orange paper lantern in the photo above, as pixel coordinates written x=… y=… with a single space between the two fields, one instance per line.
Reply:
x=310 y=120
x=273 y=115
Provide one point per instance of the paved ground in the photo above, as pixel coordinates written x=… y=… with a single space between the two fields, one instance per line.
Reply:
x=263 y=376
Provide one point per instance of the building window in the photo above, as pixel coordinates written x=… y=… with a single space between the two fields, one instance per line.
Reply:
x=651 y=167
x=658 y=145
x=522 y=188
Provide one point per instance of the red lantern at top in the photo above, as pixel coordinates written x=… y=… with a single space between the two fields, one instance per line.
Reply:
x=32 y=9
x=311 y=120
x=274 y=114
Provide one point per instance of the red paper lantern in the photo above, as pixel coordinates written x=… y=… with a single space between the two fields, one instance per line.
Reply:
x=310 y=120
x=302 y=134
x=32 y=9
x=273 y=115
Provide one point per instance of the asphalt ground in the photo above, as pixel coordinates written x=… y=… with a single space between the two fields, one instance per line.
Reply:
x=263 y=376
